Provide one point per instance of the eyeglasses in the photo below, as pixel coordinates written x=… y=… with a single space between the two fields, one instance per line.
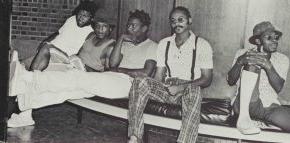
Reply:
x=132 y=25
x=178 y=20
x=272 y=37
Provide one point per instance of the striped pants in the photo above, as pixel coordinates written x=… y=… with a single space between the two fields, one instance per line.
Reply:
x=144 y=89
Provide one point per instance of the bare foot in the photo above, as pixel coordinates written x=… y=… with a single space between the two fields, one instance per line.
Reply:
x=246 y=126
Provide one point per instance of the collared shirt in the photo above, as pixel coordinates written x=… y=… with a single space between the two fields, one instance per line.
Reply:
x=71 y=37
x=180 y=59
x=134 y=56
x=280 y=62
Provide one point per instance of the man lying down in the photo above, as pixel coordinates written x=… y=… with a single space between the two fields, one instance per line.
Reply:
x=38 y=89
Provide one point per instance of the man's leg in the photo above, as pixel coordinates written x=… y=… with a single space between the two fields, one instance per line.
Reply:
x=275 y=114
x=57 y=81
x=41 y=60
x=24 y=82
x=191 y=104
x=248 y=83
x=142 y=89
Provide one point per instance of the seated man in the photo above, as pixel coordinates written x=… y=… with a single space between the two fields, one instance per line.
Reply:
x=96 y=50
x=187 y=59
x=134 y=47
x=262 y=72
x=69 y=37
x=35 y=89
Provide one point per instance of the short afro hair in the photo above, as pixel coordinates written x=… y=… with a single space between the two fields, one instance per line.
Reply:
x=184 y=10
x=89 y=6
x=141 y=15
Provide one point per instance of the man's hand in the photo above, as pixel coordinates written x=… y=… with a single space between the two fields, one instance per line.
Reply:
x=171 y=81
x=175 y=89
x=255 y=58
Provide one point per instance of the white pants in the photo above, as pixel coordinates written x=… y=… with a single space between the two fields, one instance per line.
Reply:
x=54 y=87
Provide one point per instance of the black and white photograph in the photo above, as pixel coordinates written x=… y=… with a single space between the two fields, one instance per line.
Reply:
x=144 y=71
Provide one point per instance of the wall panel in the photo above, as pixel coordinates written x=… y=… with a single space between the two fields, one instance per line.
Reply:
x=221 y=22
x=158 y=11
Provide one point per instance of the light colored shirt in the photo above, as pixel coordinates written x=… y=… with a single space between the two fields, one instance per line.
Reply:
x=280 y=62
x=134 y=56
x=180 y=59
x=71 y=37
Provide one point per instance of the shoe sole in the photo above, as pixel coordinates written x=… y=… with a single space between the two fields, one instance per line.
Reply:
x=21 y=125
x=250 y=131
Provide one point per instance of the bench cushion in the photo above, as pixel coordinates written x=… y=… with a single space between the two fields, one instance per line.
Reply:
x=213 y=111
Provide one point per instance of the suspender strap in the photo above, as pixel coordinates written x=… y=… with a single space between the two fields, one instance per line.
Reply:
x=193 y=58
x=166 y=58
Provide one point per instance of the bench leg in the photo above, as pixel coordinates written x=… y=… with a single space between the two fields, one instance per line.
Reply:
x=146 y=135
x=79 y=115
x=239 y=140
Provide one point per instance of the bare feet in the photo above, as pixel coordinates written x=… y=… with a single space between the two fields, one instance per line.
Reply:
x=247 y=127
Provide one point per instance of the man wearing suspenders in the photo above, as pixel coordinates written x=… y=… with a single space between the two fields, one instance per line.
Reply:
x=184 y=65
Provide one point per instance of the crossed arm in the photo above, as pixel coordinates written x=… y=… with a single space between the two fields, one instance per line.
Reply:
x=116 y=57
x=256 y=59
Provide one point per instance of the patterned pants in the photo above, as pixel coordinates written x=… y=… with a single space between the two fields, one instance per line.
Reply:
x=146 y=88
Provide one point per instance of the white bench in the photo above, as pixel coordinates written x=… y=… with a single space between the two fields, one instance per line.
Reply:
x=205 y=129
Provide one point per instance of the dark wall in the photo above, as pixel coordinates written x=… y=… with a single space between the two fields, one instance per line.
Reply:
x=5 y=9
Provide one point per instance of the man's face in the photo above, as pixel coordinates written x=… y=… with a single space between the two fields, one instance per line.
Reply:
x=269 y=41
x=179 y=22
x=135 y=28
x=102 y=30
x=83 y=18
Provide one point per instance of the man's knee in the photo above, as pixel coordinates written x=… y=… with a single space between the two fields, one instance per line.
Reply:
x=280 y=117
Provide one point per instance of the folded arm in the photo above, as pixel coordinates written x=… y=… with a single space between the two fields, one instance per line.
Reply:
x=147 y=70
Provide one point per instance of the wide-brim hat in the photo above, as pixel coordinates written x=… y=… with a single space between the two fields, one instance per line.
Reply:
x=261 y=28
x=102 y=16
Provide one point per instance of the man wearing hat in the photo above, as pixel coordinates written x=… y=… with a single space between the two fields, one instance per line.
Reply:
x=260 y=74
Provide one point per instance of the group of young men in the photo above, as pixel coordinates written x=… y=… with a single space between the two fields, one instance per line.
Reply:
x=172 y=71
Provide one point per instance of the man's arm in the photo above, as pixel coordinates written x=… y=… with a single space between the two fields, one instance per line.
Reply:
x=234 y=73
x=116 y=55
x=160 y=74
x=204 y=80
x=258 y=59
x=148 y=69
x=241 y=59
x=107 y=56
x=178 y=85
x=275 y=80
